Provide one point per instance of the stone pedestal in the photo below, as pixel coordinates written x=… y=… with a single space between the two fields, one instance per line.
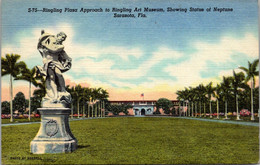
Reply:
x=54 y=135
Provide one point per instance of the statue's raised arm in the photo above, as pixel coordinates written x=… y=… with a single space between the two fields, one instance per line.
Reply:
x=55 y=62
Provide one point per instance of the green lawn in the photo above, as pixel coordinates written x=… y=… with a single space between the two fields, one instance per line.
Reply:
x=7 y=121
x=140 y=140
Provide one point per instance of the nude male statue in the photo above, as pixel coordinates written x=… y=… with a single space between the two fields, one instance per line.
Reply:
x=56 y=61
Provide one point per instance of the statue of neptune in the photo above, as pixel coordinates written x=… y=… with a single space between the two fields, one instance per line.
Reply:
x=55 y=62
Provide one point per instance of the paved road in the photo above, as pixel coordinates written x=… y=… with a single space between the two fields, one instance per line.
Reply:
x=188 y=118
x=225 y=121
x=256 y=124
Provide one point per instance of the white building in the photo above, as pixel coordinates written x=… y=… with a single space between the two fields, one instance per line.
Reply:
x=141 y=107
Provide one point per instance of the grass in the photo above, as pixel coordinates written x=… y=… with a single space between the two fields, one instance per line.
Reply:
x=7 y=121
x=140 y=141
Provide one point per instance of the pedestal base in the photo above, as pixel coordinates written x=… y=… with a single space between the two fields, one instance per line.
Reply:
x=54 y=135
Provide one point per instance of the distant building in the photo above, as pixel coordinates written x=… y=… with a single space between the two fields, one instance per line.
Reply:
x=142 y=107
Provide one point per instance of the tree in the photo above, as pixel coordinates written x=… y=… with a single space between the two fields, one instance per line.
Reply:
x=103 y=97
x=226 y=89
x=98 y=95
x=11 y=66
x=251 y=73
x=35 y=103
x=40 y=92
x=196 y=99
x=187 y=98
x=84 y=95
x=28 y=75
x=181 y=98
x=73 y=96
x=77 y=92
x=165 y=104
x=5 y=107
x=210 y=91
x=20 y=102
x=237 y=82
x=201 y=95
x=126 y=108
x=192 y=93
x=117 y=108
x=217 y=94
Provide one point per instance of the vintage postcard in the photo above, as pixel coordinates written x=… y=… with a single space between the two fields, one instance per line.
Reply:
x=129 y=82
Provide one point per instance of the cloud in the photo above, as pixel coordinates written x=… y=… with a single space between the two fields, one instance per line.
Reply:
x=95 y=65
x=92 y=63
x=189 y=71
x=26 y=45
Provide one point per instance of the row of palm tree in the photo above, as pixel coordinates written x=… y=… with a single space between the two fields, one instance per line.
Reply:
x=231 y=86
x=94 y=98
x=18 y=70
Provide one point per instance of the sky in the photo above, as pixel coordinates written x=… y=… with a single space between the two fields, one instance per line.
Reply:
x=155 y=55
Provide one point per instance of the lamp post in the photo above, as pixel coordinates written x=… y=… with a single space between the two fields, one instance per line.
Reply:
x=238 y=115
x=226 y=113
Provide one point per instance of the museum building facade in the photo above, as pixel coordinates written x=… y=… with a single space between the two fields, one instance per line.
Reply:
x=142 y=107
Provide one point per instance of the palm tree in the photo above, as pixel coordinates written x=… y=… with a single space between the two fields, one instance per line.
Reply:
x=72 y=93
x=196 y=99
x=237 y=82
x=90 y=105
x=188 y=95
x=85 y=95
x=11 y=66
x=192 y=97
x=180 y=97
x=201 y=95
x=251 y=72
x=41 y=90
x=226 y=89
x=28 y=75
x=103 y=96
x=217 y=95
x=99 y=95
x=95 y=94
x=77 y=92
x=210 y=90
